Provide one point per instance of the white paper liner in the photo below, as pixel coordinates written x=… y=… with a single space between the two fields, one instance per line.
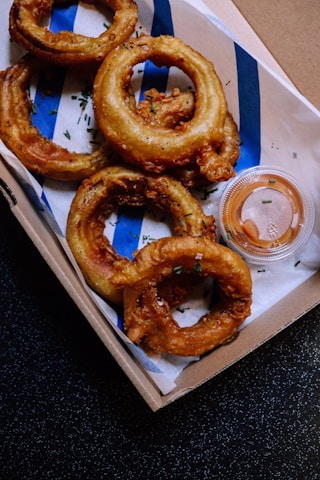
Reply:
x=289 y=137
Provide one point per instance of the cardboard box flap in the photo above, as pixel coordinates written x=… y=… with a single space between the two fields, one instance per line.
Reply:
x=267 y=321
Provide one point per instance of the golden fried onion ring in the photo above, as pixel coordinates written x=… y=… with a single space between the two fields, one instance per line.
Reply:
x=38 y=153
x=157 y=149
x=214 y=165
x=148 y=319
x=67 y=47
x=217 y=165
x=173 y=111
x=97 y=197
x=170 y=111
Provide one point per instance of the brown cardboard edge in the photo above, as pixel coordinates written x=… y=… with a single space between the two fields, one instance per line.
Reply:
x=277 y=318
x=289 y=30
x=252 y=337
x=233 y=19
x=266 y=326
x=50 y=249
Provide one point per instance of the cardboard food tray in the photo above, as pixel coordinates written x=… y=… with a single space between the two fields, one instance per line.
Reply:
x=284 y=311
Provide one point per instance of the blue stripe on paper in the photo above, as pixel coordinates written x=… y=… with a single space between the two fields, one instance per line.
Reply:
x=63 y=18
x=249 y=108
x=48 y=92
x=153 y=76
x=128 y=229
x=47 y=97
x=144 y=359
x=161 y=25
x=162 y=20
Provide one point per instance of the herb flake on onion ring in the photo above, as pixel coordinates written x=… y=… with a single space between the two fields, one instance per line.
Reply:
x=66 y=47
x=96 y=199
x=158 y=149
x=148 y=319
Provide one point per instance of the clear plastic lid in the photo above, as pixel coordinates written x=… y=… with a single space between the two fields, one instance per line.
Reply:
x=265 y=214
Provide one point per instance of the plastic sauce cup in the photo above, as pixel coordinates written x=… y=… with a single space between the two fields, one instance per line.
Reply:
x=265 y=215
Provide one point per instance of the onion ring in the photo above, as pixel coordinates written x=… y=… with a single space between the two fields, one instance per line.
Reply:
x=170 y=111
x=38 y=153
x=213 y=165
x=94 y=201
x=173 y=111
x=157 y=149
x=217 y=164
x=67 y=47
x=148 y=320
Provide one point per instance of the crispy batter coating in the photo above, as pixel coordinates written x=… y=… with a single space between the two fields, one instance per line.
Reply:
x=170 y=111
x=67 y=47
x=38 y=153
x=148 y=318
x=189 y=134
x=213 y=165
x=96 y=199
x=157 y=149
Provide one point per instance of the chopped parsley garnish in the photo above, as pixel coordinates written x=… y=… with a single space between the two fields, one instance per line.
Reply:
x=197 y=268
x=182 y=310
x=134 y=235
x=93 y=131
x=178 y=270
x=83 y=99
x=152 y=105
x=85 y=96
x=113 y=224
x=147 y=238
x=206 y=193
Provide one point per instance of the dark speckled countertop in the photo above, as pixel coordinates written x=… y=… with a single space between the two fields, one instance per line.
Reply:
x=69 y=412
